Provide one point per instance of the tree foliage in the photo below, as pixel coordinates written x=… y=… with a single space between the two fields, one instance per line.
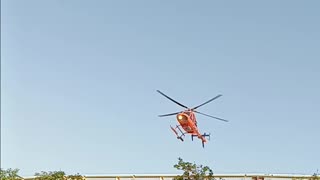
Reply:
x=57 y=175
x=192 y=171
x=9 y=174
x=315 y=176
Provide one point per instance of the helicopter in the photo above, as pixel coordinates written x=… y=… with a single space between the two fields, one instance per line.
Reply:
x=187 y=120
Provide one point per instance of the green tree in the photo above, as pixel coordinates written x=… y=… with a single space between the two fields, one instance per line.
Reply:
x=9 y=174
x=315 y=176
x=192 y=171
x=57 y=175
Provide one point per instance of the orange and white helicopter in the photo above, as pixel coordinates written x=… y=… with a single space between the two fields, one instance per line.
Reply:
x=187 y=120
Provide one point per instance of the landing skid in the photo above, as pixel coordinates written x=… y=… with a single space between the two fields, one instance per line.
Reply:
x=183 y=134
x=174 y=130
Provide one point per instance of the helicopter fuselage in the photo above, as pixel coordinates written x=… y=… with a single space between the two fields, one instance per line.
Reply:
x=188 y=122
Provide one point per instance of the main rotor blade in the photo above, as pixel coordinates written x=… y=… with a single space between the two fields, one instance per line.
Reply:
x=172 y=99
x=169 y=114
x=211 y=116
x=207 y=102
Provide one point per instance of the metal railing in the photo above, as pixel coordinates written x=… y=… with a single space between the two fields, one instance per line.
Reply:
x=216 y=176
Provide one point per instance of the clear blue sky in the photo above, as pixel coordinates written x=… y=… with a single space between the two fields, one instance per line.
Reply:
x=79 y=81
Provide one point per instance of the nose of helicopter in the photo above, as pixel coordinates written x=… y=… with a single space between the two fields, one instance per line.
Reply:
x=182 y=117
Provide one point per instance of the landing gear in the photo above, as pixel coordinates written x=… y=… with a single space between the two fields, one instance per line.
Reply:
x=182 y=133
x=179 y=137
